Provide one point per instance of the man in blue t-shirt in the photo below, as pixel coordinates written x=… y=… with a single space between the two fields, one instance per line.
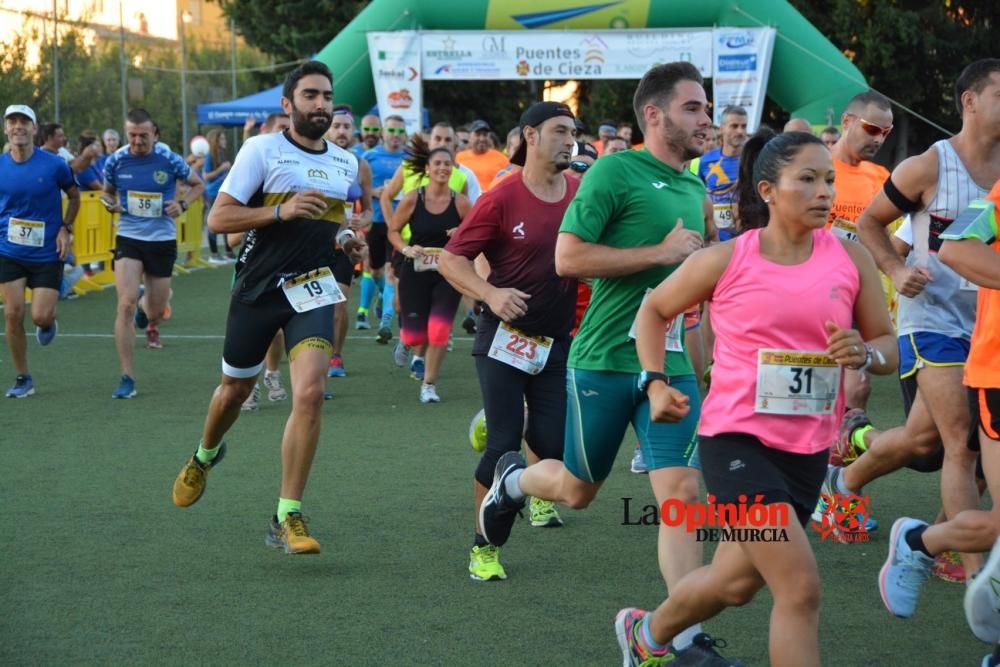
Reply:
x=35 y=236
x=140 y=183
x=384 y=160
x=719 y=169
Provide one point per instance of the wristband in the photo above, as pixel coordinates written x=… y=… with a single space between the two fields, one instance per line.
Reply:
x=277 y=213
x=184 y=205
x=68 y=228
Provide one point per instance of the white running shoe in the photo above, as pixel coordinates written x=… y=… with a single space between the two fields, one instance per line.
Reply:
x=429 y=394
x=272 y=382
x=982 y=599
x=251 y=404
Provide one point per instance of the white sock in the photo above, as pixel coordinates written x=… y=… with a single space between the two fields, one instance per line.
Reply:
x=686 y=637
x=513 y=485
x=272 y=374
x=838 y=482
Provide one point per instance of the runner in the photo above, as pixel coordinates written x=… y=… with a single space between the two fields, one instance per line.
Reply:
x=527 y=306
x=140 y=182
x=719 y=168
x=636 y=216
x=371 y=134
x=867 y=122
x=971 y=245
x=358 y=214
x=35 y=237
x=764 y=433
x=427 y=302
x=383 y=160
x=484 y=160
x=290 y=189
x=937 y=315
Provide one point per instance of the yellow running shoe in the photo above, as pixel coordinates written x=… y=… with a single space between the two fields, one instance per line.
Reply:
x=544 y=514
x=190 y=482
x=484 y=564
x=291 y=535
x=477 y=432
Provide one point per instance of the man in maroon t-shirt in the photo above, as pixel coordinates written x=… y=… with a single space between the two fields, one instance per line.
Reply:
x=522 y=336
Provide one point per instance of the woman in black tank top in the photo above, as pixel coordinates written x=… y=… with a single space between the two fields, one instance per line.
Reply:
x=427 y=303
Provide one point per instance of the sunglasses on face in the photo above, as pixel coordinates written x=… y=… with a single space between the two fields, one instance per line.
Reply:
x=395 y=130
x=873 y=129
x=370 y=130
x=579 y=166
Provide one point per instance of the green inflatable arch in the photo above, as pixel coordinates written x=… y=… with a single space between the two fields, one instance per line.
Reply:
x=809 y=77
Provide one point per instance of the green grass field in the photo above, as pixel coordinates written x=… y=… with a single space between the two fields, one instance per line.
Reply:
x=99 y=568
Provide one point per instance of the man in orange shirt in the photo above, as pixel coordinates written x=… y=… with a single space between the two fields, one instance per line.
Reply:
x=867 y=121
x=484 y=161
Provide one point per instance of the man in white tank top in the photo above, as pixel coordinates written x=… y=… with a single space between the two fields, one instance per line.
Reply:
x=935 y=314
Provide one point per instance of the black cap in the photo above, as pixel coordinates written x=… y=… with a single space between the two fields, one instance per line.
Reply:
x=583 y=148
x=479 y=126
x=533 y=116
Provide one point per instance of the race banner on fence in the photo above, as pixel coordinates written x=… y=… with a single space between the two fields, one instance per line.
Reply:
x=395 y=58
x=559 y=54
x=740 y=65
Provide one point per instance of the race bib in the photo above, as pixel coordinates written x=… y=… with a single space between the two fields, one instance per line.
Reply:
x=967 y=285
x=845 y=229
x=793 y=382
x=673 y=340
x=29 y=233
x=723 y=214
x=428 y=261
x=516 y=348
x=313 y=290
x=145 y=204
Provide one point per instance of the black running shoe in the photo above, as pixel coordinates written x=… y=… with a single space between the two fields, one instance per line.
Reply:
x=498 y=511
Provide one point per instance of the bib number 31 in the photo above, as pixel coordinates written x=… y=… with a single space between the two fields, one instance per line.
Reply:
x=313 y=290
x=793 y=382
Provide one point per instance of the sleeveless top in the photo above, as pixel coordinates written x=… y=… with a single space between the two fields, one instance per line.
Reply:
x=430 y=229
x=943 y=307
x=758 y=304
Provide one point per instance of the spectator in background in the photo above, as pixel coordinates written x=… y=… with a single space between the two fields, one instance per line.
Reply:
x=830 y=136
x=462 y=137
x=625 y=132
x=90 y=176
x=798 y=125
x=605 y=131
x=616 y=144
x=52 y=139
x=111 y=141
x=483 y=160
x=214 y=172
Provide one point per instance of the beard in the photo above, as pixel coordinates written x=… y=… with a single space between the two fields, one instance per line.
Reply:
x=679 y=139
x=311 y=126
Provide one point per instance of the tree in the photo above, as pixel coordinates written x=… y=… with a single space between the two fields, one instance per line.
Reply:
x=291 y=29
x=912 y=52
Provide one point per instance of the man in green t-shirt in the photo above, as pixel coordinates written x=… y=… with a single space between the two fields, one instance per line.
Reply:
x=636 y=217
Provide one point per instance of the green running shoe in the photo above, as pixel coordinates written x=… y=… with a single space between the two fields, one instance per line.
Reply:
x=544 y=514
x=484 y=564
x=477 y=432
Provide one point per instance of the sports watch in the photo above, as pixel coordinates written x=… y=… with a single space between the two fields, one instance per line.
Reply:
x=647 y=377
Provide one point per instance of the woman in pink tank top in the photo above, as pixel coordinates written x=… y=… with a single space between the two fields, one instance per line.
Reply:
x=783 y=296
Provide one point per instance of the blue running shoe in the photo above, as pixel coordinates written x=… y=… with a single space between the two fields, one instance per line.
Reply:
x=361 y=322
x=126 y=388
x=904 y=572
x=141 y=319
x=45 y=335
x=336 y=367
x=23 y=387
x=639 y=466
x=417 y=369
